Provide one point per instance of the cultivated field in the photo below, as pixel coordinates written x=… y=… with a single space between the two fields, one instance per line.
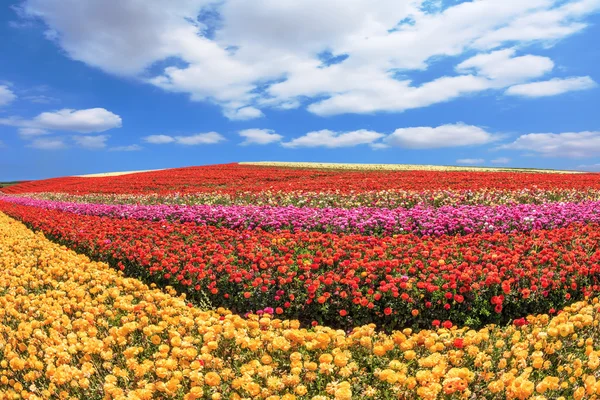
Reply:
x=296 y=281
x=397 y=167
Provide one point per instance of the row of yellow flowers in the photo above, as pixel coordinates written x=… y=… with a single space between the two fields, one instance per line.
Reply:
x=73 y=328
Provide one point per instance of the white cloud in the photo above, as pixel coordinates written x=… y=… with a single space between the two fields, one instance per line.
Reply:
x=330 y=139
x=423 y=137
x=6 y=95
x=91 y=120
x=47 y=144
x=131 y=147
x=244 y=113
x=379 y=146
x=266 y=53
x=504 y=68
x=470 y=161
x=259 y=136
x=28 y=132
x=552 y=87
x=501 y=160
x=200 y=138
x=547 y=23
x=83 y=121
x=191 y=140
x=451 y=135
x=91 y=142
x=382 y=93
x=159 y=139
x=133 y=35
x=568 y=144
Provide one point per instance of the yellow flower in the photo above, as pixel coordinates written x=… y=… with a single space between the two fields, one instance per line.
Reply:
x=212 y=379
x=326 y=358
x=300 y=390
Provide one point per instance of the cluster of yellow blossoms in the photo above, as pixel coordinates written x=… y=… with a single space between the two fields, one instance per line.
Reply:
x=71 y=328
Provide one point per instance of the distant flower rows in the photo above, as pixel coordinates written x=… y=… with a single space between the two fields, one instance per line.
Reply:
x=399 y=167
x=334 y=199
x=366 y=221
x=235 y=178
x=344 y=280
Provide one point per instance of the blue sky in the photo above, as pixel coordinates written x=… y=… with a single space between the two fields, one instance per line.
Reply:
x=88 y=87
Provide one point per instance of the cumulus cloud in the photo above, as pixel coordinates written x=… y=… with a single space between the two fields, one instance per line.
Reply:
x=6 y=95
x=331 y=139
x=200 y=138
x=504 y=68
x=159 y=139
x=259 y=136
x=422 y=137
x=47 y=144
x=191 y=140
x=552 y=87
x=379 y=92
x=568 y=144
x=83 y=121
x=91 y=142
x=451 y=135
x=470 y=161
x=260 y=54
x=91 y=120
x=244 y=113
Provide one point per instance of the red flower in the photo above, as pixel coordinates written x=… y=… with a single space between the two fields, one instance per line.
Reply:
x=520 y=322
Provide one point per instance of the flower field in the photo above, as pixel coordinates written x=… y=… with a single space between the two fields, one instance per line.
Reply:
x=235 y=178
x=313 y=284
x=397 y=167
x=447 y=220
